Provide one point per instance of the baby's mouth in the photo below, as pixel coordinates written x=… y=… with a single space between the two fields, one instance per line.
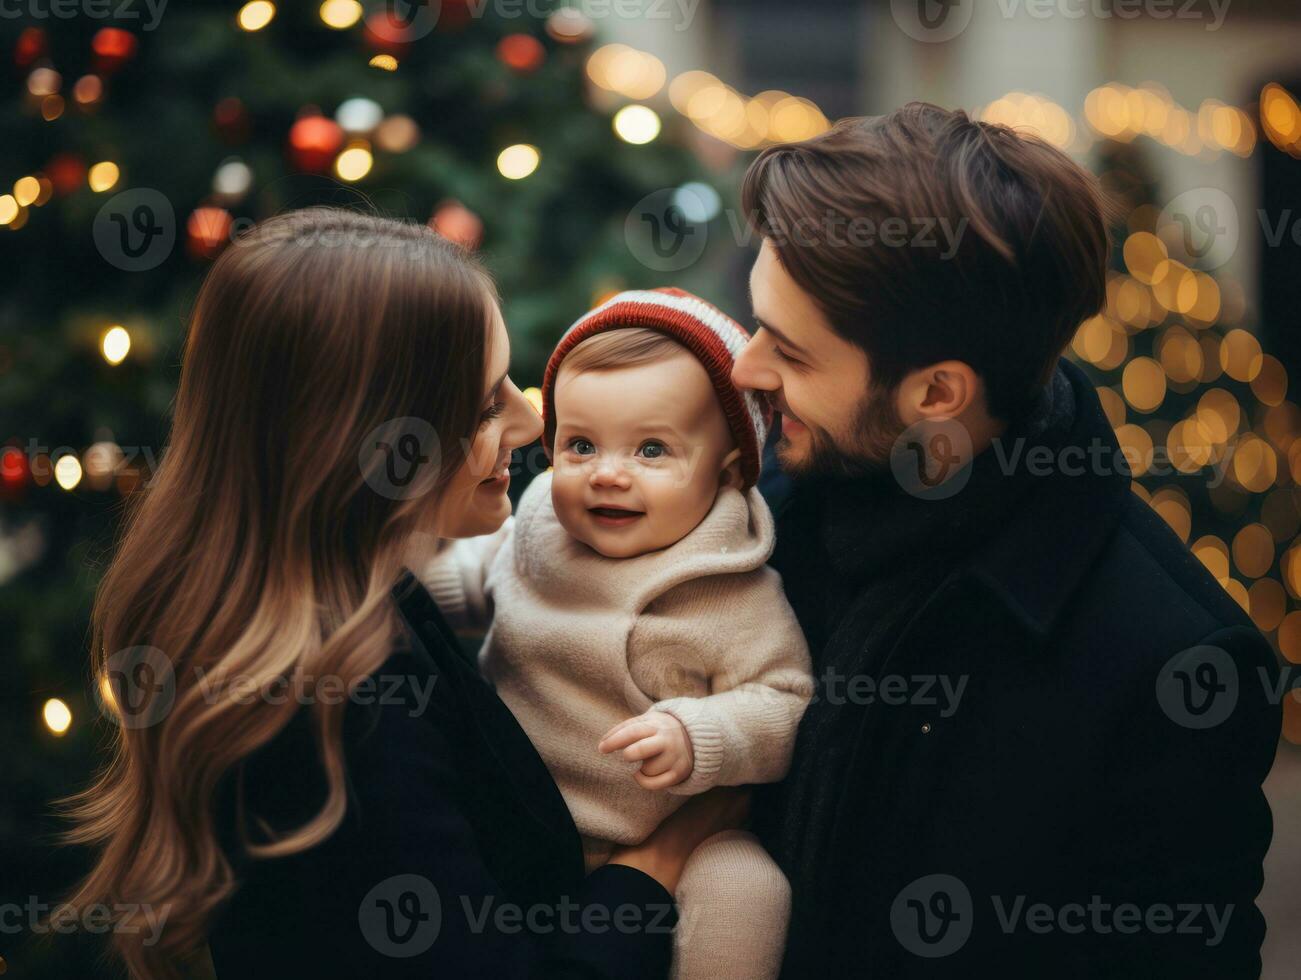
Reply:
x=614 y=516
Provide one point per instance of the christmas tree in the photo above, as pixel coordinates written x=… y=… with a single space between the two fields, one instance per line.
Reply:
x=132 y=150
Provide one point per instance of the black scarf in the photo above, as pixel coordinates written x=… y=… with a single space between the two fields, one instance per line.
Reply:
x=859 y=557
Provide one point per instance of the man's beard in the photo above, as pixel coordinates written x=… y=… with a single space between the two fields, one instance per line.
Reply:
x=874 y=429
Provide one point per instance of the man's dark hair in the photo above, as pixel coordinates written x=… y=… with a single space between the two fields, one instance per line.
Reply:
x=1031 y=243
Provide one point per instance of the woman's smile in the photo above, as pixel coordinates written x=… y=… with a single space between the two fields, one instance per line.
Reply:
x=499 y=480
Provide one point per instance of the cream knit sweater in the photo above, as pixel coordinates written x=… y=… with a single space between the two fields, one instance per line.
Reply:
x=579 y=642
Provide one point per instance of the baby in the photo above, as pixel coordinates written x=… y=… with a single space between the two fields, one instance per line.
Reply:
x=636 y=631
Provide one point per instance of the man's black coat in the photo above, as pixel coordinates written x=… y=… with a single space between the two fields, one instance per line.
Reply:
x=1093 y=806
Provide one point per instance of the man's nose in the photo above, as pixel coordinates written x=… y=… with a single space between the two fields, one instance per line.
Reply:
x=749 y=370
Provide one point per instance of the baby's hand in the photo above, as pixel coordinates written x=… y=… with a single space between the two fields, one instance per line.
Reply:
x=661 y=743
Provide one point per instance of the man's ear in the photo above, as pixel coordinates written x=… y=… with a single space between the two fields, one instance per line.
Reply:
x=730 y=473
x=945 y=389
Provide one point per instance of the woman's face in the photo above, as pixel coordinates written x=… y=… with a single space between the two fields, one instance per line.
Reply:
x=475 y=500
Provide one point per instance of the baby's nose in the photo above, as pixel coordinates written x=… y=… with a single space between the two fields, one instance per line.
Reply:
x=608 y=473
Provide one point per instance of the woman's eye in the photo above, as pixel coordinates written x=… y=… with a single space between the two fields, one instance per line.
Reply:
x=653 y=450
x=583 y=447
x=493 y=412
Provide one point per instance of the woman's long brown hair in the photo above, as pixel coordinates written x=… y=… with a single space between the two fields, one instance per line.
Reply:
x=261 y=549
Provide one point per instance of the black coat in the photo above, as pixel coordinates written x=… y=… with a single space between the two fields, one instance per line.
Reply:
x=974 y=844
x=451 y=814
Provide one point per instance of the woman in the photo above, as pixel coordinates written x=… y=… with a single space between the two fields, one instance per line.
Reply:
x=313 y=776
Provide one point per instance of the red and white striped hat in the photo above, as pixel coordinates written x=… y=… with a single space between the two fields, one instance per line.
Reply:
x=709 y=333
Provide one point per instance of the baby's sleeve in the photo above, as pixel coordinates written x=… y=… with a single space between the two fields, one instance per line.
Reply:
x=457 y=577
x=736 y=641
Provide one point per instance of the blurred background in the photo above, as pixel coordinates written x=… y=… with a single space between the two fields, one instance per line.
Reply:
x=585 y=148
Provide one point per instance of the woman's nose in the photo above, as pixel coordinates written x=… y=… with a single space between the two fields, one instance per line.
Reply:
x=525 y=423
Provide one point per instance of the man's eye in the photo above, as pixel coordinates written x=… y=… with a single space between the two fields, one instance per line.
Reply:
x=653 y=449
x=783 y=355
x=583 y=447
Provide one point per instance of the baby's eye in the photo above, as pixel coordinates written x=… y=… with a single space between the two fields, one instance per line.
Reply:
x=653 y=449
x=582 y=446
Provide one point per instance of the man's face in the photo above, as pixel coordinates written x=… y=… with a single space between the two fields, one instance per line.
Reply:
x=833 y=420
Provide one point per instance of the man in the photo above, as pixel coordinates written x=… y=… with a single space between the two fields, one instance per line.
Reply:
x=1041 y=727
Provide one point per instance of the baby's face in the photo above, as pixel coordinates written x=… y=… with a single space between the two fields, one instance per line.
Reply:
x=639 y=455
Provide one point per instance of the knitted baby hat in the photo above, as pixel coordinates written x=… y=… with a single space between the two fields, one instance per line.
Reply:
x=703 y=329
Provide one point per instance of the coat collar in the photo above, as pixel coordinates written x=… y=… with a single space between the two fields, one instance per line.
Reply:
x=1029 y=536
x=483 y=713
x=1035 y=566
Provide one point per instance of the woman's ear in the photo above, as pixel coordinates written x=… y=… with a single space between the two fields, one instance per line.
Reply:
x=730 y=473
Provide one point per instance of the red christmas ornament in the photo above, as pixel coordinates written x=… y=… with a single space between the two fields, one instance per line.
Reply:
x=386 y=35
x=113 y=48
x=231 y=120
x=13 y=468
x=207 y=232
x=453 y=15
x=522 y=52
x=314 y=141
x=455 y=221
x=31 y=45
x=66 y=171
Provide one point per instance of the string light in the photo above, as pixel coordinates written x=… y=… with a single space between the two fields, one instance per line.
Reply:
x=103 y=176
x=637 y=124
x=1122 y=113
x=26 y=191
x=57 y=716
x=340 y=14
x=397 y=134
x=115 y=344
x=721 y=111
x=256 y=14
x=1031 y=113
x=44 y=81
x=88 y=90
x=384 y=62
x=9 y=209
x=67 y=471
x=1280 y=116
x=627 y=71
x=354 y=163
x=518 y=161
